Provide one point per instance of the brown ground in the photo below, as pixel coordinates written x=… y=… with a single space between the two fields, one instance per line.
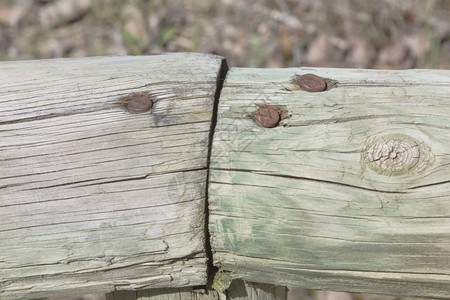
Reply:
x=386 y=34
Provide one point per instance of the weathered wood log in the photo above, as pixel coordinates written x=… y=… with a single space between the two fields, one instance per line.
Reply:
x=104 y=165
x=96 y=193
x=349 y=192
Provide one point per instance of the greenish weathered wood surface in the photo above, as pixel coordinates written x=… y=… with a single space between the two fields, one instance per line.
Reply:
x=350 y=192
x=93 y=198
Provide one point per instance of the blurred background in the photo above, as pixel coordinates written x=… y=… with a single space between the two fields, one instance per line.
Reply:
x=382 y=34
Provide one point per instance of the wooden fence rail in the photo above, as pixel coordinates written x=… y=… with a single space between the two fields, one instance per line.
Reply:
x=132 y=174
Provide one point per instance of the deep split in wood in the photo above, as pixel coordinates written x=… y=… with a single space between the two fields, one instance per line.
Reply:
x=131 y=173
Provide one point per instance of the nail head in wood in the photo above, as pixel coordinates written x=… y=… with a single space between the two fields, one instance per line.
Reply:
x=139 y=104
x=267 y=116
x=312 y=83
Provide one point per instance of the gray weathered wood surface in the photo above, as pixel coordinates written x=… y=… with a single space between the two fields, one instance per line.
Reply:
x=185 y=293
x=350 y=192
x=241 y=290
x=238 y=290
x=93 y=198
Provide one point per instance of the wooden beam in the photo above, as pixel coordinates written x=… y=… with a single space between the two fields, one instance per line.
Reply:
x=348 y=192
x=104 y=162
x=97 y=193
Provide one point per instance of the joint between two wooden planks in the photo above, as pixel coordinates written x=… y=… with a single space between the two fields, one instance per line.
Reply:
x=211 y=269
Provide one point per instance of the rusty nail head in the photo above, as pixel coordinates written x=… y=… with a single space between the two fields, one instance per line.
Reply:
x=312 y=83
x=267 y=116
x=139 y=104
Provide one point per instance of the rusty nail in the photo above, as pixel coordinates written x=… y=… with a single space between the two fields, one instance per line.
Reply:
x=139 y=103
x=267 y=116
x=312 y=83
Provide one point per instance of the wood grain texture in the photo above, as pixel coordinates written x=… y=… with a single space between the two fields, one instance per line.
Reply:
x=238 y=290
x=241 y=290
x=350 y=192
x=93 y=198
x=184 y=293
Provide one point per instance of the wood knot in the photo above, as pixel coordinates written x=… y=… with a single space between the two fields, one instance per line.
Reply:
x=397 y=154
